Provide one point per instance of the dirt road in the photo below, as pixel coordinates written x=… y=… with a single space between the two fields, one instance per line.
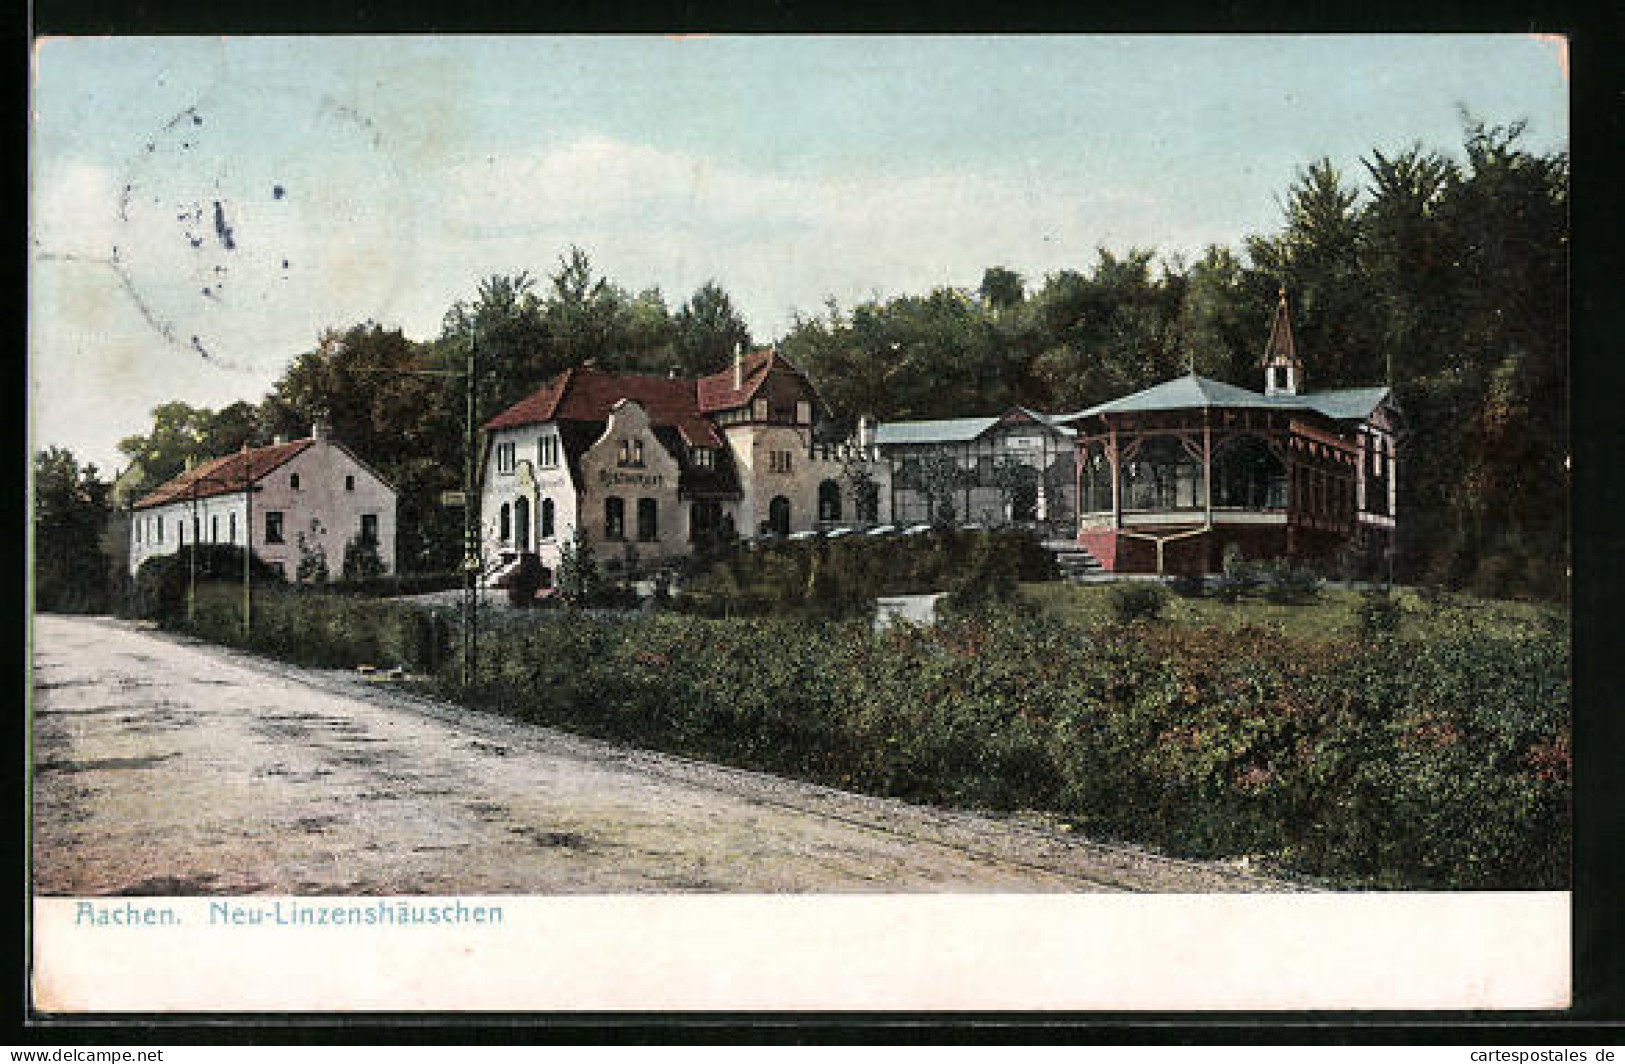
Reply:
x=165 y=766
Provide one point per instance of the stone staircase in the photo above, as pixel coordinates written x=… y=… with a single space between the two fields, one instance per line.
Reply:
x=1074 y=559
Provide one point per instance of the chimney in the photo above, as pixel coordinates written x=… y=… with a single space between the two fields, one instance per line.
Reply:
x=671 y=373
x=278 y=440
x=739 y=366
x=866 y=431
x=320 y=429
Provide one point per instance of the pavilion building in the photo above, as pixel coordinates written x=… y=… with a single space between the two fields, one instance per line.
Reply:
x=1171 y=476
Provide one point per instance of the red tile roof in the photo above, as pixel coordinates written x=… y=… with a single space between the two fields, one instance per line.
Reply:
x=222 y=476
x=717 y=391
x=585 y=394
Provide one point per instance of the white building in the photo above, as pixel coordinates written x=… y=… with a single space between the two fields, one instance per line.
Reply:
x=291 y=500
x=655 y=463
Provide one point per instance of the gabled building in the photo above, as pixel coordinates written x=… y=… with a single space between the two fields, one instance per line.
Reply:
x=1171 y=476
x=289 y=501
x=658 y=463
x=978 y=446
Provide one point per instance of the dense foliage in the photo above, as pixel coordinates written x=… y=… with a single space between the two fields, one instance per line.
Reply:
x=1386 y=761
x=843 y=577
x=71 y=569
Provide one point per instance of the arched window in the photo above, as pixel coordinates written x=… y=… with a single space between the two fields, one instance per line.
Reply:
x=547 y=531
x=648 y=520
x=829 y=501
x=778 y=516
x=505 y=523
x=1097 y=480
x=1247 y=475
x=614 y=518
x=1162 y=475
x=521 y=523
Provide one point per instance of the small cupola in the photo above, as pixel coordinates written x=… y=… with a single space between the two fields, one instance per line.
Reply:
x=1283 y=372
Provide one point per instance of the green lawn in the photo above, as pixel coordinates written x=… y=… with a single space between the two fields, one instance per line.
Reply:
x=1333 y=615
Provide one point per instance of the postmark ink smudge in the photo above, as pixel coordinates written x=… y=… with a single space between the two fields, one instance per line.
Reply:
x=277 y=192
x=222 y=229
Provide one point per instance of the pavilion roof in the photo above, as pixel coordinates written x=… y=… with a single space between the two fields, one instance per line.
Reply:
x=958 y=430
x=1194 y=392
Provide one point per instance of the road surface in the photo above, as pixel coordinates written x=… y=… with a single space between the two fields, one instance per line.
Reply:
x=167 y=766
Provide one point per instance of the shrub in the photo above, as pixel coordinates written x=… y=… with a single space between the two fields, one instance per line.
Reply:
x=1188 y=585
x=1291 y=584
x=159 y=590
x=1380 y=612
x=1138 y=601
x=361 y=561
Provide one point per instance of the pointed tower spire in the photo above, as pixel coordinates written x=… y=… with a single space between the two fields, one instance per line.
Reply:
x=1283 y=371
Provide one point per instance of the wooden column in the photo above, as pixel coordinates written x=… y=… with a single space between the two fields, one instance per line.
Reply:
x=1115 y=460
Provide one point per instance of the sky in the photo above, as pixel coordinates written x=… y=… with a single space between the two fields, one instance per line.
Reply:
x=202 y=209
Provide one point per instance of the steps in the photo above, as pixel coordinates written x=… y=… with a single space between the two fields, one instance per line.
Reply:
x=1075 y=561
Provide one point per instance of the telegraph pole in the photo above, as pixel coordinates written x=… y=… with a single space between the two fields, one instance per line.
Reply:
x=471 y=528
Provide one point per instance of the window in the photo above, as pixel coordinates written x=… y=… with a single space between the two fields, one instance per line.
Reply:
x=704 y=458
x=232 y=524
x=505 y=458
x=505 y=523
x=547 y=452
x=631 y=454
x=521 y=523
x=293 y=481
x=273 y=526
x=778 y=461
x=137 y=527
x=214 y=528
x=829 y=501
x=614 y=518
x=704 y=519
x=1163 y=475
x=369 y=528
x=803 y=413
x=160 y=522
x=181 y=531
x=1248 y=475
x=1097 y=480
x=648 y=520
x=349 y=482
x=547 y=520
x=759 y=410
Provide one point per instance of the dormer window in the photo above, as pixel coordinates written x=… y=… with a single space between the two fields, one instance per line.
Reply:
x=506 y=457
x=547 y=452
x=759 y=410
x=803 y=413
x=704 y=458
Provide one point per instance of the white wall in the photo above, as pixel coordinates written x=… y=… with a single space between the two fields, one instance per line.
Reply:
x=322 y=508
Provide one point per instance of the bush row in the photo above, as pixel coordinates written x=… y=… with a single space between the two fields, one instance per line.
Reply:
x=1387 y=763
x=842 y=577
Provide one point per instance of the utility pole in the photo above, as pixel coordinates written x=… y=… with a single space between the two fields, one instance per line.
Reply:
x=248 y=540
x=471 y=528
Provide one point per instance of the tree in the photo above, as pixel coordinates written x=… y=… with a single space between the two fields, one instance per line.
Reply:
x=182 y=432
x=1018 y=487
x=708 y=329
x=1002 y=289
x=940 y=477
x=70 y=509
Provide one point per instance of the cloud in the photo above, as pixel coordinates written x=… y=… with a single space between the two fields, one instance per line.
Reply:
x=652 y=216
